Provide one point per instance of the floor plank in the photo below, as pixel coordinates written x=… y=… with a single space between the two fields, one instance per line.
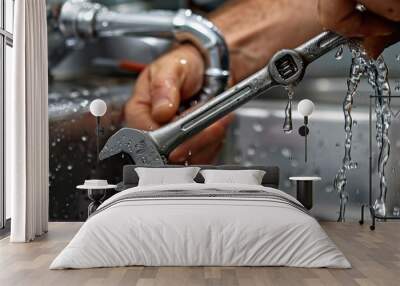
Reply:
x=375 y=257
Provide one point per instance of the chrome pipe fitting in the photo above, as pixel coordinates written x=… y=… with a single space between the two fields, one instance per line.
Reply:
x=85 y=20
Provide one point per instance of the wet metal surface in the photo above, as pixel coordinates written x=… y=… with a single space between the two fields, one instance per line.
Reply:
x=73 y=142
x=256 y=137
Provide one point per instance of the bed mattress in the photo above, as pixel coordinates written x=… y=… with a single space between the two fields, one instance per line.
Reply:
x=201 y=225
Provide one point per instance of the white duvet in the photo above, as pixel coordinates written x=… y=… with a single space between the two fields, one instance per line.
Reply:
x=200 y=231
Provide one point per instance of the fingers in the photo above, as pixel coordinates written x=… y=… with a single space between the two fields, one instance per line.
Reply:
x=375 y=45
x=194 y=71
x=343 y=17
x=207 y=156
x=389 y=9
x=205 y=142
x=138 y=108
x=162 y=85
x=165 y=80
x=175 y=77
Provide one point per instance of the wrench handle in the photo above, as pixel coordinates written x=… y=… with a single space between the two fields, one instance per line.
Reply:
x=173 y=134
x=320 y=45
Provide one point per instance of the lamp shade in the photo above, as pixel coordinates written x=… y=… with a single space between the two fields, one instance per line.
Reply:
x=305 y=107
x=98 y=107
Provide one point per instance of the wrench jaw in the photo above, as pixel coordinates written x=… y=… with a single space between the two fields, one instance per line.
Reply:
x=135 y=143
x=287 y=67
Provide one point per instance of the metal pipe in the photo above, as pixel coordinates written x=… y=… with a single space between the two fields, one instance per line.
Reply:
x=86 y=20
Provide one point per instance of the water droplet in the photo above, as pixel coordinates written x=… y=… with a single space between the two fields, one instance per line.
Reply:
x=247 y=163
x=339 y=53
x=355 y=123
x=190 y=153
x=69 y=167
x=287 y=183
x=398 y=57
x=353 y=165
x=53 y=143
x=329 y=189
x=84 y=138
x=286 y=153
x=288 y=124
x=396 y=211
x=257 y=127
x=251 y=151
x=84 y=103
x=237 y=159
x=74 y=94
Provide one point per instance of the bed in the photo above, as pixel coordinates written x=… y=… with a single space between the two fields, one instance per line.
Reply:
x=201 y=224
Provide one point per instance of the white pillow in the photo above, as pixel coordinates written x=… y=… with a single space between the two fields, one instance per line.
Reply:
x=247 y=177
x=162 y=176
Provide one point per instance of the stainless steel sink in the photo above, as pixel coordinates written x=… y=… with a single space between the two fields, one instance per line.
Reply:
x=73 y=141
x=256 y=137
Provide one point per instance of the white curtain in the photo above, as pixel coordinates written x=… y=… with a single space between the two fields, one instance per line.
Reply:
x=27 y=124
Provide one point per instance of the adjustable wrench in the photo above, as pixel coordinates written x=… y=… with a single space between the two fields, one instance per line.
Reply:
x=286 y=67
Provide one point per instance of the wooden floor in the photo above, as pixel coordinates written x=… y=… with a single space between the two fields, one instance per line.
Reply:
x=375 y=257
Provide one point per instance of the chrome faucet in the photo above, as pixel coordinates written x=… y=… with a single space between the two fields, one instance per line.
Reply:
x=86 y=20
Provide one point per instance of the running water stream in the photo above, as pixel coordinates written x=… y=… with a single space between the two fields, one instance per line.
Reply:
x=379 y=81
x=288 y=123
x=376 y=72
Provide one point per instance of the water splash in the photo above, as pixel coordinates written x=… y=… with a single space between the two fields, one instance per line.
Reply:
x=339 y=53
x=378 y=78
x=358 y=66
x=376 y=72
x=257 y=127
x=288 y=124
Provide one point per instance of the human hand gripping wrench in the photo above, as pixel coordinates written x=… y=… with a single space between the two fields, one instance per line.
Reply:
x=287 y=67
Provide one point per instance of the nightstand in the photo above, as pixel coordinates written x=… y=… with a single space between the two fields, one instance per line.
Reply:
x=304 y=192
x=97 y=190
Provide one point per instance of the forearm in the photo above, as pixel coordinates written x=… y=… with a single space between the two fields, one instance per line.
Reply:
x=256 y=29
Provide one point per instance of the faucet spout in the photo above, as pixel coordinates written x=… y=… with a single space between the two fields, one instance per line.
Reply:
x=86 y=20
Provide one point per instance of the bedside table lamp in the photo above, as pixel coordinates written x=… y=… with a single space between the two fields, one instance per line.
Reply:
x=96 y=189
x=98 y=108
x=305 y=108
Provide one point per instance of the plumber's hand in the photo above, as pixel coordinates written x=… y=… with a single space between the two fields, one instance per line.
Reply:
x=159 y=90
x=378 y=27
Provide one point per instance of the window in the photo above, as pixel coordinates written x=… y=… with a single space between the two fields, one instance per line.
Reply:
x=6 y=42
